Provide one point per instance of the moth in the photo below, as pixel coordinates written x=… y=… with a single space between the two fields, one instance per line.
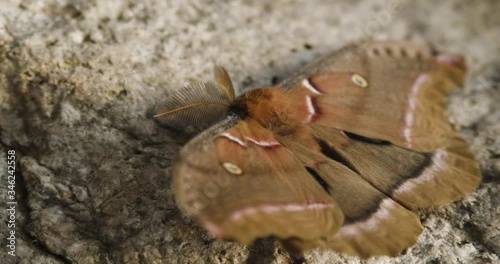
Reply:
x=340 y=155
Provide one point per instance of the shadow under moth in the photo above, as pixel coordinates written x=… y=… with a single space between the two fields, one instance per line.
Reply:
x=340 y=155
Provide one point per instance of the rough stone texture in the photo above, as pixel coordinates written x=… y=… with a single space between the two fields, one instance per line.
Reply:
x=78 y=77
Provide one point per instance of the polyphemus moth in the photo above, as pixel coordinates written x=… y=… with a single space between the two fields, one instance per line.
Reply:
x=340 y=155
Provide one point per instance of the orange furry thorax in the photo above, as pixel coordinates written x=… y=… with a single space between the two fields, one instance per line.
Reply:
x=271 y=107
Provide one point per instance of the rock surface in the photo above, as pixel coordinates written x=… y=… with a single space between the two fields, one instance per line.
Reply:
x=77 y=79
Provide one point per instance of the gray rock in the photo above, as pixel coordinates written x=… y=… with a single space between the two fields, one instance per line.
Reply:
x=77 y=79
